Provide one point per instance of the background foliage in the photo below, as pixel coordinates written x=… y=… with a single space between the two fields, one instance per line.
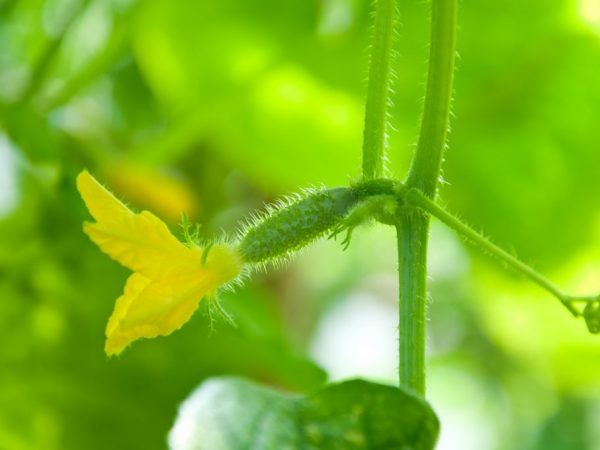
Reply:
x=216 y=107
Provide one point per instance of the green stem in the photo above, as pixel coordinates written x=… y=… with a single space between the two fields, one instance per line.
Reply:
x=379 y=88
x=415 y=197
x=412 y=257
x=427 y=162
x=407 y=200
x=413 y=225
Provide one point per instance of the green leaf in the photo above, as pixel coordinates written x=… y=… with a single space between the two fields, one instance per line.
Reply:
x=230 y=413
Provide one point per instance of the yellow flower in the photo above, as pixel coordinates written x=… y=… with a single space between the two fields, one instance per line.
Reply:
x=169 y=278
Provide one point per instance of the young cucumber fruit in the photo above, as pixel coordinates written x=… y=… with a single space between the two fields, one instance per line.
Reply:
x=295 y=224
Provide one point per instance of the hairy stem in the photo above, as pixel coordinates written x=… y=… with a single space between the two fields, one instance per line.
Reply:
x=413 y=226
x=412 y=257
x=379 y=89
x=416 y=198
x=407 y=199
x=427 y=162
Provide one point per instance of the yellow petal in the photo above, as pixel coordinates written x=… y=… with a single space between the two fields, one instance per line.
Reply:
x=143 y=243
x=158 y=309
x=169 y=278
x=150 y=308
x=102 y=205
x=136 y=283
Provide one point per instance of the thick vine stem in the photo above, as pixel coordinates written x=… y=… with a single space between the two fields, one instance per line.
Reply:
x=412 y=257
x=379 y=88
x=385 y=199
x=427 y=162
x=413 y=226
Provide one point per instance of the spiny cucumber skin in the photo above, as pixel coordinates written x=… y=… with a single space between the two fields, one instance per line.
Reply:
x=296 y=225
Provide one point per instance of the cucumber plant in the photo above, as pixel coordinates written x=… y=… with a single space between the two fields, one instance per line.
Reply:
x=346 y=415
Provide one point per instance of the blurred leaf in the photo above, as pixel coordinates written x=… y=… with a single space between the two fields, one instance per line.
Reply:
x=566 y=429
x=537 y=331
x=248 y=99
x=232 y=77
x=523 y=159
x=228 y=413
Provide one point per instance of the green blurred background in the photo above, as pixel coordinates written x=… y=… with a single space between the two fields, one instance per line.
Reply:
x=213 y=108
